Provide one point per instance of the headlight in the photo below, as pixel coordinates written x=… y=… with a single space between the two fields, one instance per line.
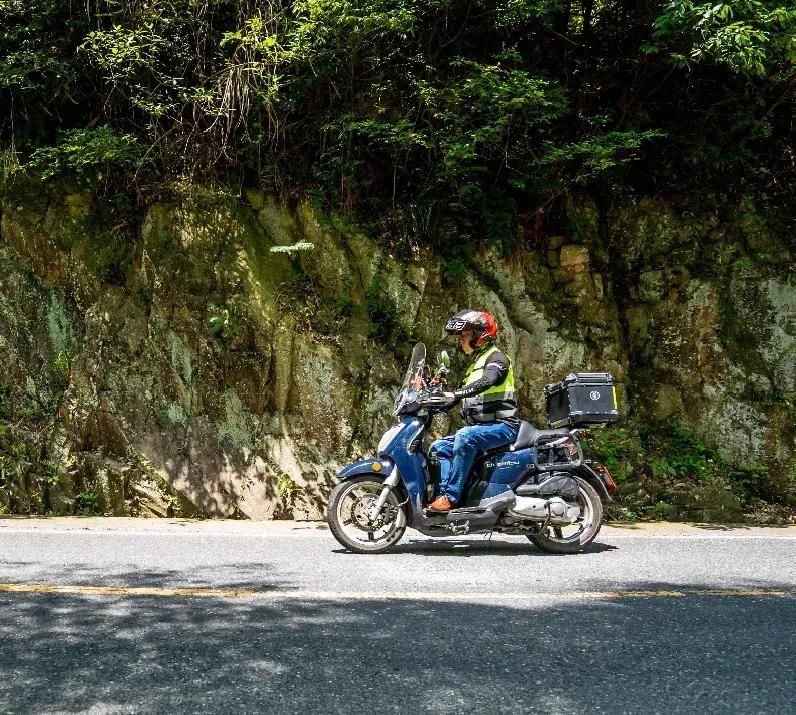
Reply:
x=388 y=437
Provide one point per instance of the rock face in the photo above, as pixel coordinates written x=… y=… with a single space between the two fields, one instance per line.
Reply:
x=193 y=370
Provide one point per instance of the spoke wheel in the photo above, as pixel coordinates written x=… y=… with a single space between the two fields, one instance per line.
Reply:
x=572 y=538
x=349 y=518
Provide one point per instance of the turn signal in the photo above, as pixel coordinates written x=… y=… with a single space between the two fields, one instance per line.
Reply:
x=376 y=466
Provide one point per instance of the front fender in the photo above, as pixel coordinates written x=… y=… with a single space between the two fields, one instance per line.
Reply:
x=367 y=466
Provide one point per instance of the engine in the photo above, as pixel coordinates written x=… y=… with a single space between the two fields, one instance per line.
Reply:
x=538 y=509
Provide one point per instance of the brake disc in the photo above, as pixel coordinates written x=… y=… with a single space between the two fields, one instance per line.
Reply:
x=360 y=514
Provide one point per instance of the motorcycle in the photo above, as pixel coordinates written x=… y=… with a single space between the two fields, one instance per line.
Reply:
x=540 y=486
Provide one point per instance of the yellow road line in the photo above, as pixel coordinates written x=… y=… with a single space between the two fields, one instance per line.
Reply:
x=383 y=596
x=123 y=590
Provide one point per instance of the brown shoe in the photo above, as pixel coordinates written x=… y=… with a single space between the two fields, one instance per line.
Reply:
x=441 y=503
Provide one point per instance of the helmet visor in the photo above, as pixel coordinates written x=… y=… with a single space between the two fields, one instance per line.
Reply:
x=463 y=320
x=456 y=325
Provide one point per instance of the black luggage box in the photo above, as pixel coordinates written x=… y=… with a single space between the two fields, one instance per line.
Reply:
x=582 y=399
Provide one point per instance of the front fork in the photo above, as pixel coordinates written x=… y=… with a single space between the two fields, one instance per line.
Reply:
x=389 y=484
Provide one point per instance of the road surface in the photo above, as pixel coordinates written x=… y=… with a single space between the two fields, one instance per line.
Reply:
x=172 y=616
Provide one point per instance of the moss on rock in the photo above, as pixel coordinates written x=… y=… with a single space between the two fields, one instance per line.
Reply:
x=190 y=369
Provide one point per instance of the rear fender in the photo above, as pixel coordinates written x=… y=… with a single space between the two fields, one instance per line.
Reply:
x=588 y=474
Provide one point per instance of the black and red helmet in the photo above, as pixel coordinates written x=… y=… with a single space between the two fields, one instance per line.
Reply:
x=483 y=325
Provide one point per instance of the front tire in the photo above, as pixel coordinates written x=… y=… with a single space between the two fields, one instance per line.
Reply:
x=348 y=517
x=555 y=541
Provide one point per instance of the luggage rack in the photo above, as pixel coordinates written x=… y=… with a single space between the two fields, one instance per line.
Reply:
x=562 y=453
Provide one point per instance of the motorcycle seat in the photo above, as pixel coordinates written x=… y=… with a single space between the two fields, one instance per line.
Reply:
x=529 y=436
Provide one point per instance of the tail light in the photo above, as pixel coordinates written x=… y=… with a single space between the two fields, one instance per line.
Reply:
x=607 y=478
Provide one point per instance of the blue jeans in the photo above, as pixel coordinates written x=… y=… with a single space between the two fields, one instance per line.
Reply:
x=456 y=453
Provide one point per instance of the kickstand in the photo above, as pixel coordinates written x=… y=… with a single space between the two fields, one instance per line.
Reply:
x=488 y=537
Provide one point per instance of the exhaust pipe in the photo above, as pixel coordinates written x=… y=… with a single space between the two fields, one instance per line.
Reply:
x=555 y=509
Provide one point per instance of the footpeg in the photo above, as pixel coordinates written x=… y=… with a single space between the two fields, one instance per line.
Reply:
x=459 y=528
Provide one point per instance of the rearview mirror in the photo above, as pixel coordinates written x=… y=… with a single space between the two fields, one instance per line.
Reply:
x=443 y=360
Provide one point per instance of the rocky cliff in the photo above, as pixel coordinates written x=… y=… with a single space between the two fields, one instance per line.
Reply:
x=208 y=365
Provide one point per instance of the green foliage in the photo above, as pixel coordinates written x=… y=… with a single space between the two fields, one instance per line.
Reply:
x=289 y=491
x=219 y=321
x=618 y=449
x=749 y=37
x=329 y=23
x=86 y=156
x=454 y=270
x=26 y=472
x=674 y=451
x=456 y=261
x=656 y=464
x=286 y=487
x=39 y=76
x=751 y=481
x=61 y=364
x=414 y=116
x=59 y=329
x=88 y=503
x=674 y=455
x=9 y=165
x=584 y=160
x=483 y=109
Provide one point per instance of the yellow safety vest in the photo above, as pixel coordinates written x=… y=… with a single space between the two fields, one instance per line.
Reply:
x=496 y=402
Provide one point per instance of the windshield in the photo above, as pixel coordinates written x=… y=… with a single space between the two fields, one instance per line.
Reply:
x=414 y=375
x=413 y=382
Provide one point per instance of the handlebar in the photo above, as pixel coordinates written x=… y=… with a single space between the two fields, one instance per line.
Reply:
x=435 y=400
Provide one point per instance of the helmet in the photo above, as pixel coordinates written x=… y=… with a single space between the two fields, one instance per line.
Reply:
x=483 y=325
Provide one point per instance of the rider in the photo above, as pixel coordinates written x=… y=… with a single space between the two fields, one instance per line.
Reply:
x=488 y=405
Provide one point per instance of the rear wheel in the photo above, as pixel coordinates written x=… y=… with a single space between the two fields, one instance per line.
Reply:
x=572 y=538
x=348 y=516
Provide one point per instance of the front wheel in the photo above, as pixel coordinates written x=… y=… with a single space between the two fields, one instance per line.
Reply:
x=348 y=516
x=571 y=539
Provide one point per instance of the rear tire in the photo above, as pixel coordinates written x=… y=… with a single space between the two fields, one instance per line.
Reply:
x=347 y=516
x=591 y=506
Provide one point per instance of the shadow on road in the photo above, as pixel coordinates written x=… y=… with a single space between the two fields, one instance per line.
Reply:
x=236 y=576
x=486 y=547
x=115 y=654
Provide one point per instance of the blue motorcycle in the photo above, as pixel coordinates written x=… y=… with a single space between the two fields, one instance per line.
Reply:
x=541 y=486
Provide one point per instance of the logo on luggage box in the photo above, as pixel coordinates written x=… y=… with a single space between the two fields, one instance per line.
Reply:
x=594 y=395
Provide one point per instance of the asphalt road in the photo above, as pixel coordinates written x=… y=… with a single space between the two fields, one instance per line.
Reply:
x=128 y=616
